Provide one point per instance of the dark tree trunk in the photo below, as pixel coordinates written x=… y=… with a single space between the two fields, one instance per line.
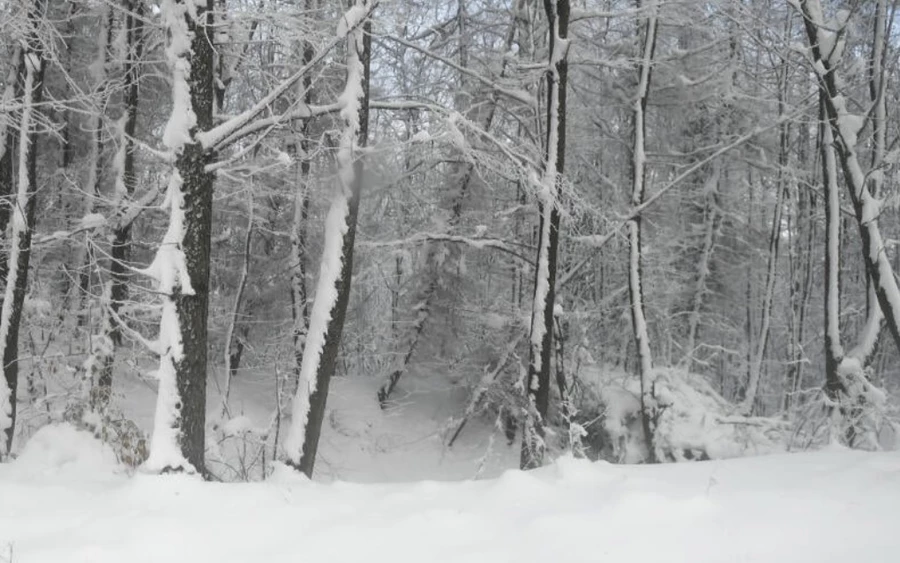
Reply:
x=327 y=362
x=299 y=293
x=120 y=249
x=182 y=403
x=198 y=191
x=8 y=159
x=541 y=349
x=32 y=78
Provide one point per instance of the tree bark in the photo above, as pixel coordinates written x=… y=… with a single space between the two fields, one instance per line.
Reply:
x=181 y=404
x=541 y=337
x=635 y=282
x=336 y=269
x=23 y=221
x=299 y=256
x=123 y=189
x=844 y=127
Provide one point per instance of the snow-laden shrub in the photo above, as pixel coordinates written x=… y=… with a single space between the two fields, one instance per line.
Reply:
x=62 y=447
x=856 y=414
x=127 y=441
x=240 y=450
x=691 y=420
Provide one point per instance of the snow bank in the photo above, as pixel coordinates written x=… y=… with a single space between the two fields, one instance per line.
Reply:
x=825 y=507
x=60 y=449
x=694 y=421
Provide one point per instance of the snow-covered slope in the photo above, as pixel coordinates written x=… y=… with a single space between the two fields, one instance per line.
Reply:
x=63 y=500
x=360 y=441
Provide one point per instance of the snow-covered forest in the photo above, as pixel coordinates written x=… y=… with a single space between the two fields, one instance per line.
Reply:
x=406 y=240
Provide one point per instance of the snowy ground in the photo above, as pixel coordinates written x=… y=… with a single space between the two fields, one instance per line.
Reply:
x=360 y=441
x=64 y=500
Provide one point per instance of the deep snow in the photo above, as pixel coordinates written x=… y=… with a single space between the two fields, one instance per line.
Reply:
x=64 y=500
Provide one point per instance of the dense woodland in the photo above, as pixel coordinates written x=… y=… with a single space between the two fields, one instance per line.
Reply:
x=641 y=231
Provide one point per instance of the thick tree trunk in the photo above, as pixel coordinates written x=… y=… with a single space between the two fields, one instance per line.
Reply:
x=336 y=269
x=182 y=262
x=23 y=220
x=541 y=338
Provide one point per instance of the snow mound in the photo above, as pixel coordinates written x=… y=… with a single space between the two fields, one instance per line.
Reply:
x=63 y=449
x=692 y=421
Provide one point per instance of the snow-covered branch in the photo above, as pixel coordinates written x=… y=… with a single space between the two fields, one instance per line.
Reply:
x=218 y=137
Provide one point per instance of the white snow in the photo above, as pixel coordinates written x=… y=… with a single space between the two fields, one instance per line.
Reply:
x=92 y=221
x=165 y=451
x=60 y=452
x=421 y=137
x=828 y=507
x=352 y=19
x=182 y=119
x=169 y=267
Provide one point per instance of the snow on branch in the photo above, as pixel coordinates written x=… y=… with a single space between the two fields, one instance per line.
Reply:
x=518 y=95
x=598 y=241
x=474 y=242
x=215 y=138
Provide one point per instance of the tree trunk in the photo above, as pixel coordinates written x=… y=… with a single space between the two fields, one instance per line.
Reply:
x=712 y=219
x=182 y=263
x=541 y=338
x=762 y=340
x=123 y=186
x=834 y=352
x=8 y=151
x=23 y=220
x=845 y=127
x=635 y=284
x=299 y=297
x=336 y=269
x=234 y=347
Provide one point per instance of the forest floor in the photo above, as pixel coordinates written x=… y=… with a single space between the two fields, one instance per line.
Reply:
x=65 y=499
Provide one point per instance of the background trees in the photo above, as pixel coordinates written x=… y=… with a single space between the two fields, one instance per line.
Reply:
x=707 y=149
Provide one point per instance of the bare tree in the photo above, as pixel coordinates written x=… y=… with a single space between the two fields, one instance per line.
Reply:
x=336 y=268
x=543 y=309
x=22 y=219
